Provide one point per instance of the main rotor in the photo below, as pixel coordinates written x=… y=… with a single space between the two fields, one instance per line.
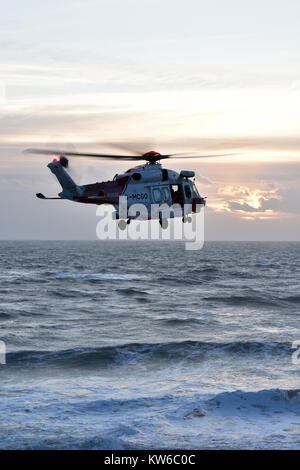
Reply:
x=151 y=156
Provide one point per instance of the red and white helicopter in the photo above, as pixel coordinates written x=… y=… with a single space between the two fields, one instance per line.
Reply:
x=148 y=184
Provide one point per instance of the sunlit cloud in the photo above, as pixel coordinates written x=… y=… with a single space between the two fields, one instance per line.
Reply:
x=252 y=203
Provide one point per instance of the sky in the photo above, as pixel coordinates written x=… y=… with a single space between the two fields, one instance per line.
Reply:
x=173 y=76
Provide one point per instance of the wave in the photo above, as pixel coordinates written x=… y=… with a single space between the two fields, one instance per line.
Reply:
x=268 y=265
x=132 y=353
x=183 y=321
x=206 y=269
x=5 y=315
x=24 y=276
x=72 y=294
x=237 y=419
x=95 y=276
x=291 y=298
x=131 y=291
x=235 y=300
x=260 y=400
x=241 y=404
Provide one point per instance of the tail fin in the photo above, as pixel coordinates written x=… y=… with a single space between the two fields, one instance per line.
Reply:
x=69 y=187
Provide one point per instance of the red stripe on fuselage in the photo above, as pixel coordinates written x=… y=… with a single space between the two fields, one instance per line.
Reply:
x=107 y=192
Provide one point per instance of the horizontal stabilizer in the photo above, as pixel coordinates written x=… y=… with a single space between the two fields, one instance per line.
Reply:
x=41 y=196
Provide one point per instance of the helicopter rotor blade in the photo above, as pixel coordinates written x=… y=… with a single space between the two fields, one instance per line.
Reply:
x=138 y=147
x=179 y=157
x=79 y=154
x=151 y=157
x=146 y=156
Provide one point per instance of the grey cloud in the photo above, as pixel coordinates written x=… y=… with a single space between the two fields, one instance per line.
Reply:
x=265 y=204
x=236 y=206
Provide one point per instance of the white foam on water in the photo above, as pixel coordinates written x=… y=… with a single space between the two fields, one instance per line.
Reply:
x=130 y=419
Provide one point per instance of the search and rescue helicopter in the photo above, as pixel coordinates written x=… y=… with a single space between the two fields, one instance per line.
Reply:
x=148 y=184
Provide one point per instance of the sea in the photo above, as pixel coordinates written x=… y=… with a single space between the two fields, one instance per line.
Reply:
x=144 y=345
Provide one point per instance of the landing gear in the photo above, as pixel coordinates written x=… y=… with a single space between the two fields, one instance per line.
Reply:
x=122 y=224
x=186 y=218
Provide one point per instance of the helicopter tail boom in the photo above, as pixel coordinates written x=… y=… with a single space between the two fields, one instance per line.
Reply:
x=69 y=187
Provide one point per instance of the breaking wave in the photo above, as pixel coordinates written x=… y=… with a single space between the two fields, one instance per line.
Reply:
x=164 y=353
x=261 y=399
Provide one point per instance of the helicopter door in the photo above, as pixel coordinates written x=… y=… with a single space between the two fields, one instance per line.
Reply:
x=177 y=194
x=161 y=195
x=157 y=195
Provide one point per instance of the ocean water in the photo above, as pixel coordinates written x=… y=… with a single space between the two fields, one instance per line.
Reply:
x=122 y=345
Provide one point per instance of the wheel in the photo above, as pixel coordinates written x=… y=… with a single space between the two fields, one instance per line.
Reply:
x=122 y=224
x=164 y=223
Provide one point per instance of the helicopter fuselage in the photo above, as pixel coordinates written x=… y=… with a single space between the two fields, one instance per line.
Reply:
x=148 y=184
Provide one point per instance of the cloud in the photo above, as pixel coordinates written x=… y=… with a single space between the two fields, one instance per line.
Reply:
x=247 y=201
x=264 y=205
x=244 y=207
x=264 y=200
x=203 y=180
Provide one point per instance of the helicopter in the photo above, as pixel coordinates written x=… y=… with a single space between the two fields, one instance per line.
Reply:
x=149 y=184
